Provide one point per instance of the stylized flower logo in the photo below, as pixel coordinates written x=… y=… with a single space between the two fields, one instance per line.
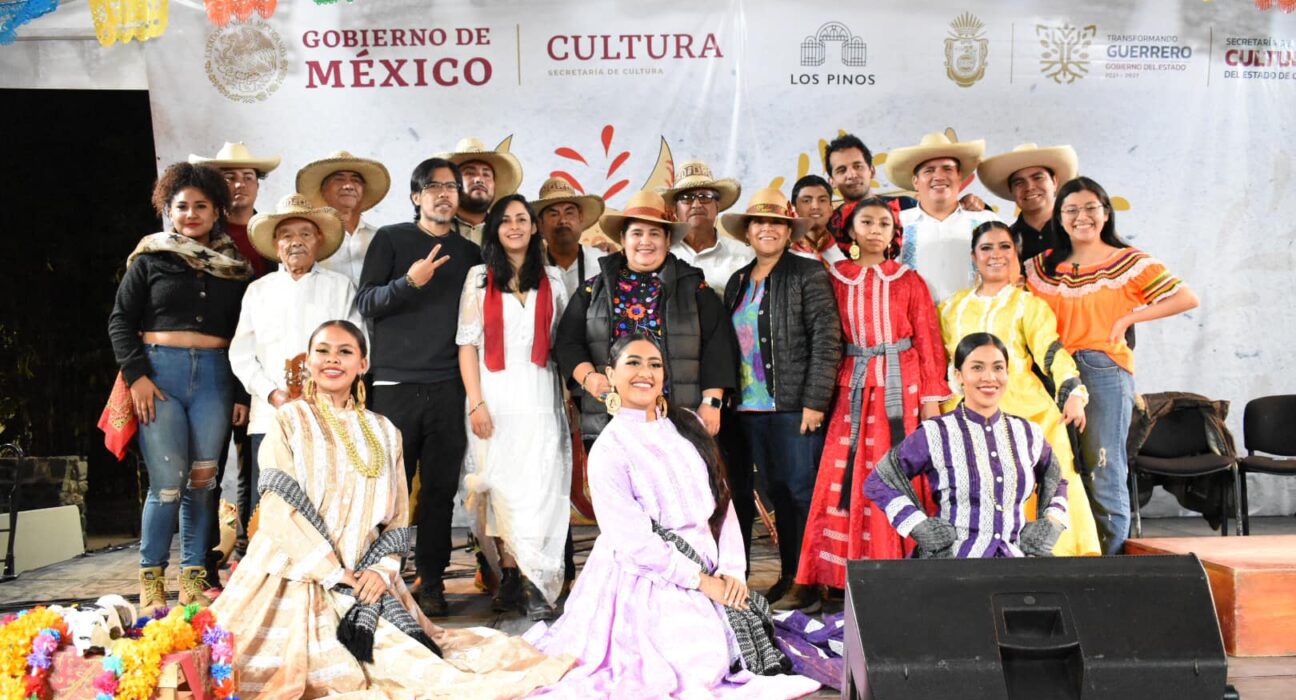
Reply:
x=609 y=170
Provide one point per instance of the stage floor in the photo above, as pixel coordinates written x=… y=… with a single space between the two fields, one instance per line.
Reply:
x=114 y=570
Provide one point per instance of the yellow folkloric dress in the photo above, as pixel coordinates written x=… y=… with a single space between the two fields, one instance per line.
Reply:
x=284 y=617
x=1028 y=328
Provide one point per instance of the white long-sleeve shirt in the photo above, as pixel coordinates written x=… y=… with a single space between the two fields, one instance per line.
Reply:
x=278 y=316
x=349 y=258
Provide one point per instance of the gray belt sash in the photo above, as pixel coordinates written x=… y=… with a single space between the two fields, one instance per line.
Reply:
x=894 y=401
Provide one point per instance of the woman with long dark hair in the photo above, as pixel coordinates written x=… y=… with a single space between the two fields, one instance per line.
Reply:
x=1098 y=286
x=519 y=452
x=652 y=613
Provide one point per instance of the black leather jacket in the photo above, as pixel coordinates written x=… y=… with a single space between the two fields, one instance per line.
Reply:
x=800 y=333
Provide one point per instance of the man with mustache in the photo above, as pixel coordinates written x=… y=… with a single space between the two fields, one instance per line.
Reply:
x=562 y=216
x=937 y=233
x=282 y=309
x=487 y=176
x=409 y=292
x=351 y=186
x=697 y=199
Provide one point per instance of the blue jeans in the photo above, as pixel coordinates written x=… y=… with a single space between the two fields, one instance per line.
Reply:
x=1103 y=459
x=790 y=463
x=181 y=448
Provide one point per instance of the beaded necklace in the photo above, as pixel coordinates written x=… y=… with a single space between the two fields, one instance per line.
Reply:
x=376 y=454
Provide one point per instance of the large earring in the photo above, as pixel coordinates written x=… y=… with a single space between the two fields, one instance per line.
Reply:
x=612 y=402
x=854 y=251
x=360 y=395
x=662 y=406
x=308 y=389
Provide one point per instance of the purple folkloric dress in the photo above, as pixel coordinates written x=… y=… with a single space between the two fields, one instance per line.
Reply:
x=635 y=618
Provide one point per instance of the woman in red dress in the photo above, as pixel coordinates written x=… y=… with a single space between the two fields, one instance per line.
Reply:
x=892 y=372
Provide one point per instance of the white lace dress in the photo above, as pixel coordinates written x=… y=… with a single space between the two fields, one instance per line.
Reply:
x=524 y=470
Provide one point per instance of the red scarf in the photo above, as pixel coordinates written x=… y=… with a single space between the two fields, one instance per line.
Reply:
x=494 y=323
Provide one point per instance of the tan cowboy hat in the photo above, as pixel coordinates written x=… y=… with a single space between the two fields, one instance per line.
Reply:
x=556 y=190
x=695 y=174
x=508 y=171
x=237 y=155
x=902 y=162
x=643 y=206
x=767 y=203
x=261 y=228
x=996 y=171
x=310 y=179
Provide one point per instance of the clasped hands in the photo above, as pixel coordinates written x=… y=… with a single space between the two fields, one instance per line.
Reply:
x=724 y=589
x=368 y=586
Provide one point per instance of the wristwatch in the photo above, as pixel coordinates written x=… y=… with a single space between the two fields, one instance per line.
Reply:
x=712 y=401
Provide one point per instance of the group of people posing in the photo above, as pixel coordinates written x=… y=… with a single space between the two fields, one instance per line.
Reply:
x=799 y=347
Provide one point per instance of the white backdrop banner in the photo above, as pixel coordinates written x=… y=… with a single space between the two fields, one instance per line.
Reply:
x=1182 y=109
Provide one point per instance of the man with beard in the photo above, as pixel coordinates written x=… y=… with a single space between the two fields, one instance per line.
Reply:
x=812 y=199
x=562 y=214
x=243 y=173
x=697 y=199
x=1030 y=175
x=351 y=186
x=487 y=176
x=409 y=290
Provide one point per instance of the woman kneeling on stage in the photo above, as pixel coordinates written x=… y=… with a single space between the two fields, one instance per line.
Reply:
x=981 y=465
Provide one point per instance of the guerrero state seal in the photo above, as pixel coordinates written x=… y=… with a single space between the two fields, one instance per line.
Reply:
x=966 y=50
x=246 y=62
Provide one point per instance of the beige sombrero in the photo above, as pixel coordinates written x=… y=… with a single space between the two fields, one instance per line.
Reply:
x=261 y=228
x=643 y=206
x=556 y=190
x=508 y=171
x=767 y=203
x=310 y=179
x=902 y=162
x=695 y=174
x=996 y=171
x=237 y=155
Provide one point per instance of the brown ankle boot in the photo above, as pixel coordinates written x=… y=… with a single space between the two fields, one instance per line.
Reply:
x=152 y=590
x=193 y=586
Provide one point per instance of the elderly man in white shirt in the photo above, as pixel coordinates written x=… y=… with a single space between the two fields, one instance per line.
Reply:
x=351 y=186
x=561 y=215
x=938 y=232
x=698 y=198
x=282 y=309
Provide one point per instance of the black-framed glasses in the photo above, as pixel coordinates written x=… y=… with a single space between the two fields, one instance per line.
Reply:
x=435 y=187
x=705 y=197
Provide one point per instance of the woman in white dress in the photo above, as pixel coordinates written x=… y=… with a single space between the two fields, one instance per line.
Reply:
x=519 y=448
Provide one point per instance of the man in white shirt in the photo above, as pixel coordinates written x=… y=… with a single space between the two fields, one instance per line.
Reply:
x=487 y=176
x=698 y=198
x=282 y=309
x=562 y=215
x=351 y=186
x=938 y=232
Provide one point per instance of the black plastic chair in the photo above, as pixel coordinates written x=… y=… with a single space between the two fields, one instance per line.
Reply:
x=1177 y=447
x=1268 y=425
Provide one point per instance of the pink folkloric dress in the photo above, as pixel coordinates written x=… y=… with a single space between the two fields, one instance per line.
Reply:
x=635 y=618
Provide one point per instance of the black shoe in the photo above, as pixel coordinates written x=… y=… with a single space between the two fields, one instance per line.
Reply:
x=431 y=598
x=509 y=597
x=537 y=608
x=778 y=590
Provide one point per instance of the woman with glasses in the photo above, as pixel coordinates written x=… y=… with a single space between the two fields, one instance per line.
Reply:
x=1098 y=286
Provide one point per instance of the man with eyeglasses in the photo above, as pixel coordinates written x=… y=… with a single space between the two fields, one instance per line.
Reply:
x=409 y=291
x=698 y=198
x=1030 y=176
x=487 y=176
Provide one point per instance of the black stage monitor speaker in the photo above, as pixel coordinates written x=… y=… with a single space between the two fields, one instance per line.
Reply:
x=1038 y=629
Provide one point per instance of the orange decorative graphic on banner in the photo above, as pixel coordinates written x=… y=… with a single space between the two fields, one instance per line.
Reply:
x=661 y=175
x=219 y=12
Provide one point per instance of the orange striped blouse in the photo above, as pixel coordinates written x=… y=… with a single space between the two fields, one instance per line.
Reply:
x=1089 y=300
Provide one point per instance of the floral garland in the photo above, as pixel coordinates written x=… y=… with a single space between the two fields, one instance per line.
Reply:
x=133 y=667
x=28 y=640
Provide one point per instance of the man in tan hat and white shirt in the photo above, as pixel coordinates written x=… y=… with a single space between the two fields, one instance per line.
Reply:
x=487 y=176
x=282 y=309
x=1030 y=176
x=243 y=173
x=938 y=232
x=351 y=186
x=697 y=199
x=562 y=215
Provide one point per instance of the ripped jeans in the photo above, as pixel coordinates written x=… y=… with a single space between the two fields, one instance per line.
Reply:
x=1103 y=462
x=181 y=447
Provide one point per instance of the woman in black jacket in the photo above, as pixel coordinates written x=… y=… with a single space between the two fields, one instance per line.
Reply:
x=789 y=344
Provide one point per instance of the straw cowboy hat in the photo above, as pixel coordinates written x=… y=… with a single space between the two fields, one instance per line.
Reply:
x=556 y=190
x=695 y=174
x=237 y=155
x=508 y=171
x=643 y=206
x=310 y=179
x=261 y=228
x=902 y=162
x=767 y=203
x=996 y=171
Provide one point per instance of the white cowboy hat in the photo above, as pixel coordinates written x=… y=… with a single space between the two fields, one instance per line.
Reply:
x=310 y=179
x=261 y=228
x=237 y=155
x=902 y=162
x=643 y=206
x=556 y=190
x=695 y=174
x=995 y=171
x=766 y=203
x=508 y=171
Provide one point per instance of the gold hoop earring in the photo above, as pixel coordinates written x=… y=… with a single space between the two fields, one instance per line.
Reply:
x=360 y=395
x=612 y=402
x=308 y=389
x=854 y=251
x=662 y=406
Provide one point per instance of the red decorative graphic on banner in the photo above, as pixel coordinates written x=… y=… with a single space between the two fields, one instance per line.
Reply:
x=1287 y=6
x=572 y=154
